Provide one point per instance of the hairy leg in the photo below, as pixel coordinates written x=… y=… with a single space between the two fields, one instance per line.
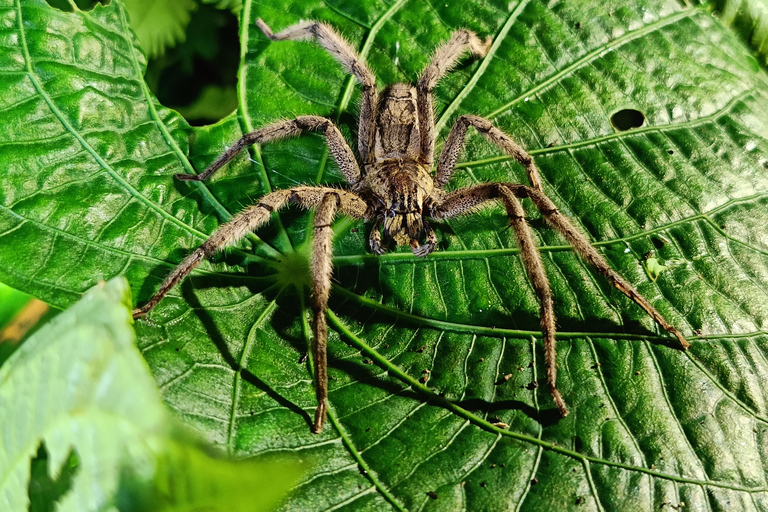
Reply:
x=341 y=50
x=455 y=142
x=535 y=268
x=339 y=148
x=248 y=220
x=322 y=267
x=581 y=243
x=464 y=200
x=446 y=56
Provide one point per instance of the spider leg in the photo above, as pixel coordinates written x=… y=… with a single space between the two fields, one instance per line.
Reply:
x=322 y=267
x=327 y=201
x=535 y=268
x=343 y=52
x=249 y=220
x=446 y=56
x=581 y=244
x=463 y=201
x=338 y=146
x=447 y=162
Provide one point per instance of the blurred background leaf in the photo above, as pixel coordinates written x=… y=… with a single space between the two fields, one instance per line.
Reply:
x=85 y=427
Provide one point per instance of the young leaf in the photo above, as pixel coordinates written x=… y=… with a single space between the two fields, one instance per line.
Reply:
x=650 y=426
x=159 y=23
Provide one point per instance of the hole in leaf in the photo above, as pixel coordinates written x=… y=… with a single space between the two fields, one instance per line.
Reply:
x=627 y=119
x=671 y=152
x=44 y=492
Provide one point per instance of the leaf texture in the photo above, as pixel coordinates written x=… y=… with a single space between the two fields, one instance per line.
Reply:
x=87 y=193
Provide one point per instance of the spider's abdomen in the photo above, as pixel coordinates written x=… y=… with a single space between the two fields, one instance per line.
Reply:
x=397 y=124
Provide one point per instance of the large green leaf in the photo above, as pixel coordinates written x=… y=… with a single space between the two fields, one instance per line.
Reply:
x=87 y=192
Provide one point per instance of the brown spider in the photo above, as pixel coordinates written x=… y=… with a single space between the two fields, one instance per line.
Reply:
x=397 y=190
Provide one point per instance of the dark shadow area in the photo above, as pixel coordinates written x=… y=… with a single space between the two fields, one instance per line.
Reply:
x=43 y=491
x=198 y=77
x=367 y=284
x=187 y=290
x=366 y=374
x=83 y=5
x=546 y=418
x=627 y=119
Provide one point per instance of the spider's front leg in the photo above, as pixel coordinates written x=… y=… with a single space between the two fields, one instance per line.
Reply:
x=343 y=52
x=446 y=56
x=327 y=201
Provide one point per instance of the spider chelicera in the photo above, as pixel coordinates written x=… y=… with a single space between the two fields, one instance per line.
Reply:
x=391 y=183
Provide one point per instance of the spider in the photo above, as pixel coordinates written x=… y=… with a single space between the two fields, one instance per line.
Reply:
x=391 y=184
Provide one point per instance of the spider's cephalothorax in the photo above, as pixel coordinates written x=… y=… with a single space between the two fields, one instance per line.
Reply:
x=398 y=190
x=399 y=181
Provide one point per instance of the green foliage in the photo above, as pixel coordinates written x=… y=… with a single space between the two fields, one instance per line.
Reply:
x=198 y=77
x=159 y=23
x=11 y=302
x=748 y=18
x=88 y=194
x=81 y=407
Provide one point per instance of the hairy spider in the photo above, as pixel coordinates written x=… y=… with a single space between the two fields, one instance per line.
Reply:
x=397 y=190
